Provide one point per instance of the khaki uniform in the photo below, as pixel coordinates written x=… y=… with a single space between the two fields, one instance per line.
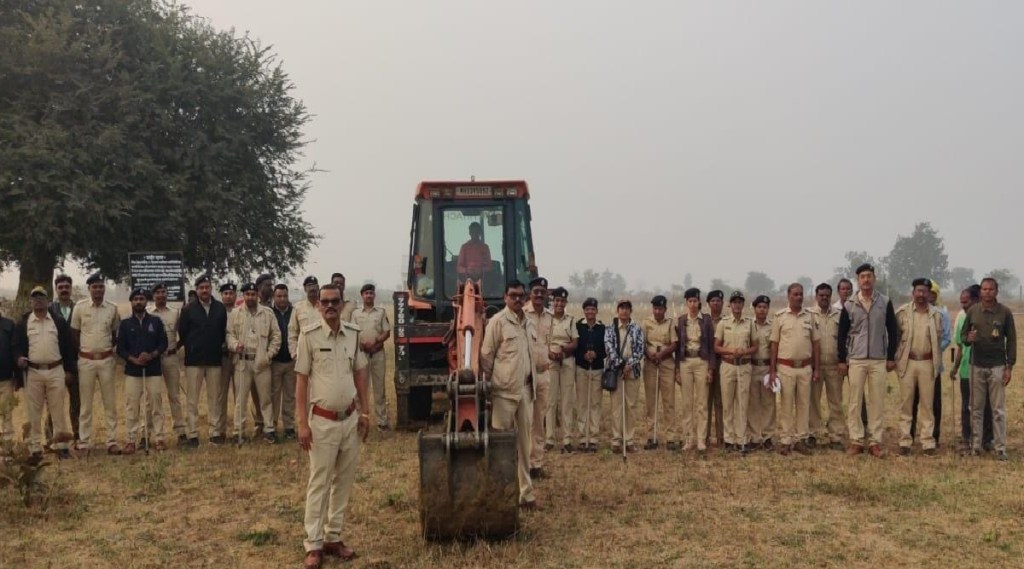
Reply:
x=372 y=324
x=227 y=386
x=543 y=324
x=917 y=360
x=831 y=381
x=563 y=379
x=796 y=334
x=329 y=359
x=761 y=408
x=735 y=373
x=170 y=364
x=44 y=386
x=660 y=379
x=303 y=314
x=714 y=402
x=506 y=358
x=348 y=309
x=629 y=388
x=260 y=338
x=97 y=326
x=693 y=378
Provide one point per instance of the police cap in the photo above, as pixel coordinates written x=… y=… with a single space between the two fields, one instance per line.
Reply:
x=560 y=292
x=692 y=293
x=737 y=295
x=158 y=286
x=624 y=302
x=659 y=301
x=539 y=282
x=228 y=286
x=590 y=302
x=139 y=291
x=366 y=287
x=310 y=280
x=246 y=287
x=202 y=279
x=38 y=290
x=715 y=294
x=762 y=299
x=94 y=278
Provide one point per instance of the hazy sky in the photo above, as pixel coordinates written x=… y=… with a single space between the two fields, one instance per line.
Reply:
x=661 y=138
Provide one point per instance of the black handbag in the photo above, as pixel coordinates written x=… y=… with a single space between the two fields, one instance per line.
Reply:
x=610 y=375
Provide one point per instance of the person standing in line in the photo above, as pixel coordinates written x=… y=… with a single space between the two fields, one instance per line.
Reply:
x=564 y=339
x=761 y=409
x=794 y=363
x=282 y=366
x=374 y=330
x=624 y=342
x=695 y=360
x=826 y=317
x=735 y=342
x=141 y=340
x=202 y=330
x=94 y=324
x=590 y=358
x=170 y=361
x=962 y=370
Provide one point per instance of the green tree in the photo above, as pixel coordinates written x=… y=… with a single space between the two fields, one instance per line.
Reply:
x=854 y=259
x=1008 y=282
x=759 y=283
x=718 y=284
x=132 y=125
x=921 y=254
x=961 y=278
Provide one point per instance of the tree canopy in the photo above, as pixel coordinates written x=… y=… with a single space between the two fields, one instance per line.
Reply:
x=130 y=125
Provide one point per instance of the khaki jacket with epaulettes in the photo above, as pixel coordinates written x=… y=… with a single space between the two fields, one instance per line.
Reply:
x=905 y=321
x=258 y=333
x=506 y=356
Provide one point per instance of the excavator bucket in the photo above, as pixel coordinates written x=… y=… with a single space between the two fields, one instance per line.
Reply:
x=468 y=493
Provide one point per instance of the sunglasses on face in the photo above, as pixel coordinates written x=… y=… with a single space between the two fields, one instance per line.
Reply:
x=331 y=301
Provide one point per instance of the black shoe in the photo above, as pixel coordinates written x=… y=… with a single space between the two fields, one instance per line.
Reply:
x=63 y=454
x=768 y=445
x=548 y=446
x=36 y=457
x=904 y=451
x=812 y=442
x=989 y=447
x=383 y=427
x=290 y=434
x=270 y=438
x=193 y=442
x=592 y=448
x=729 y=447
x=651 y=445
x=182 y=440
x=743 y=450
x=1001 y=456
x=537 y=473
x=217 y=440
x=672 y=447
x=568 y=449
x=802 y=448
x=837 y=446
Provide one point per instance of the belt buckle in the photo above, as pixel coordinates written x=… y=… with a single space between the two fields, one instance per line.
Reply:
x=799 y=364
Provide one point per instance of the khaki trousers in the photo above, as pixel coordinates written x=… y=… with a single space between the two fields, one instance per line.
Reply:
x=761 y=408
x=835 y=428
x=735 y=401
x=562 y=397
x=170 y=365
x=45 y=386
x=920 y=375
x=659 y=383
x=282 y=393
x=377 y=367
x=332 y=470
x=540 y=411
x=588 y=405
x=508 y=414
x=693 y=375
x=987 y=385
x=630 y=389
x=796 y=403
x=7 y=424
x=93 y=373
x=153 y=409
x=867 y=377
x=246 y=375
x=195 y=376
x=225 y=384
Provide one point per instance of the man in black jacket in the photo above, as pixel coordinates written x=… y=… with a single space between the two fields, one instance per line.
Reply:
x=8 y=370
x=141 y=340
x=201 y=330
x=46 y=352
x=590 y=356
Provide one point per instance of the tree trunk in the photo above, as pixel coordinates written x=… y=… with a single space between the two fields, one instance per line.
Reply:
x=36 y=268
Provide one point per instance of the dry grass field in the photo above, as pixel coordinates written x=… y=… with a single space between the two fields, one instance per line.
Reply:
x=229 y=507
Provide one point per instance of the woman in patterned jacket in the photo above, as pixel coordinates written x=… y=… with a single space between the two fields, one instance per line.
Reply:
x=624 y=344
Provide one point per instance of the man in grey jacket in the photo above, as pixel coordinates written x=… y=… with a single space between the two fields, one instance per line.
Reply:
x=868 y=338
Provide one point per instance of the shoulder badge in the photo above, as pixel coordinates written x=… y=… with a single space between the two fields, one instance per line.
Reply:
x=351 y=326
x=312 y=326
x=781 y=312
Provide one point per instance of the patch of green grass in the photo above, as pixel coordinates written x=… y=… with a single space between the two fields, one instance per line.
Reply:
x=899 y=494
x=259 y=536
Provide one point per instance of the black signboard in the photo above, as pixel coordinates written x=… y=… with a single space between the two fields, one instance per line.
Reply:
x=148 y=268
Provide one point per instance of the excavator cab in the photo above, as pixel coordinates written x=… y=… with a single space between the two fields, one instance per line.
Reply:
x=461 y=231
x=468 y=240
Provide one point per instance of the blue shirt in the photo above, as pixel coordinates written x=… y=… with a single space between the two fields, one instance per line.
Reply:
x=135 y=336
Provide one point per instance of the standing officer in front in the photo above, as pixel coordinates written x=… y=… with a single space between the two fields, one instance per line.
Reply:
x=695 y=359
x=330 y=388
x=735 y=342
x=201 y=331
x=795 y=352
x=170 y=361
x=590 y=357
x=94 y=325
x=141 y=340
x=228 y=385
x=563 y=343
x=716 y=301
x=282 y=366
x=374 y=330
x=254 y=338
x=661 y=341
x=826 y=316
x=868 y=338
x=506 y=357
x=45 y=351
x=761 y=409
x=542 y=323
x=916 y=361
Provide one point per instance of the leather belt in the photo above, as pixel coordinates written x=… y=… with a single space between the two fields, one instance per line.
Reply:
x=334 y=415
x=761 y=362
x=691 y=353
x=45 y=367
x=922 y=358
x=795 y=364
x=95 y=356
x=171 y=351
x=733 y=360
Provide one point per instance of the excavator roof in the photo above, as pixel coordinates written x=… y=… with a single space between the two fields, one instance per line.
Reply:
x=488 y=189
